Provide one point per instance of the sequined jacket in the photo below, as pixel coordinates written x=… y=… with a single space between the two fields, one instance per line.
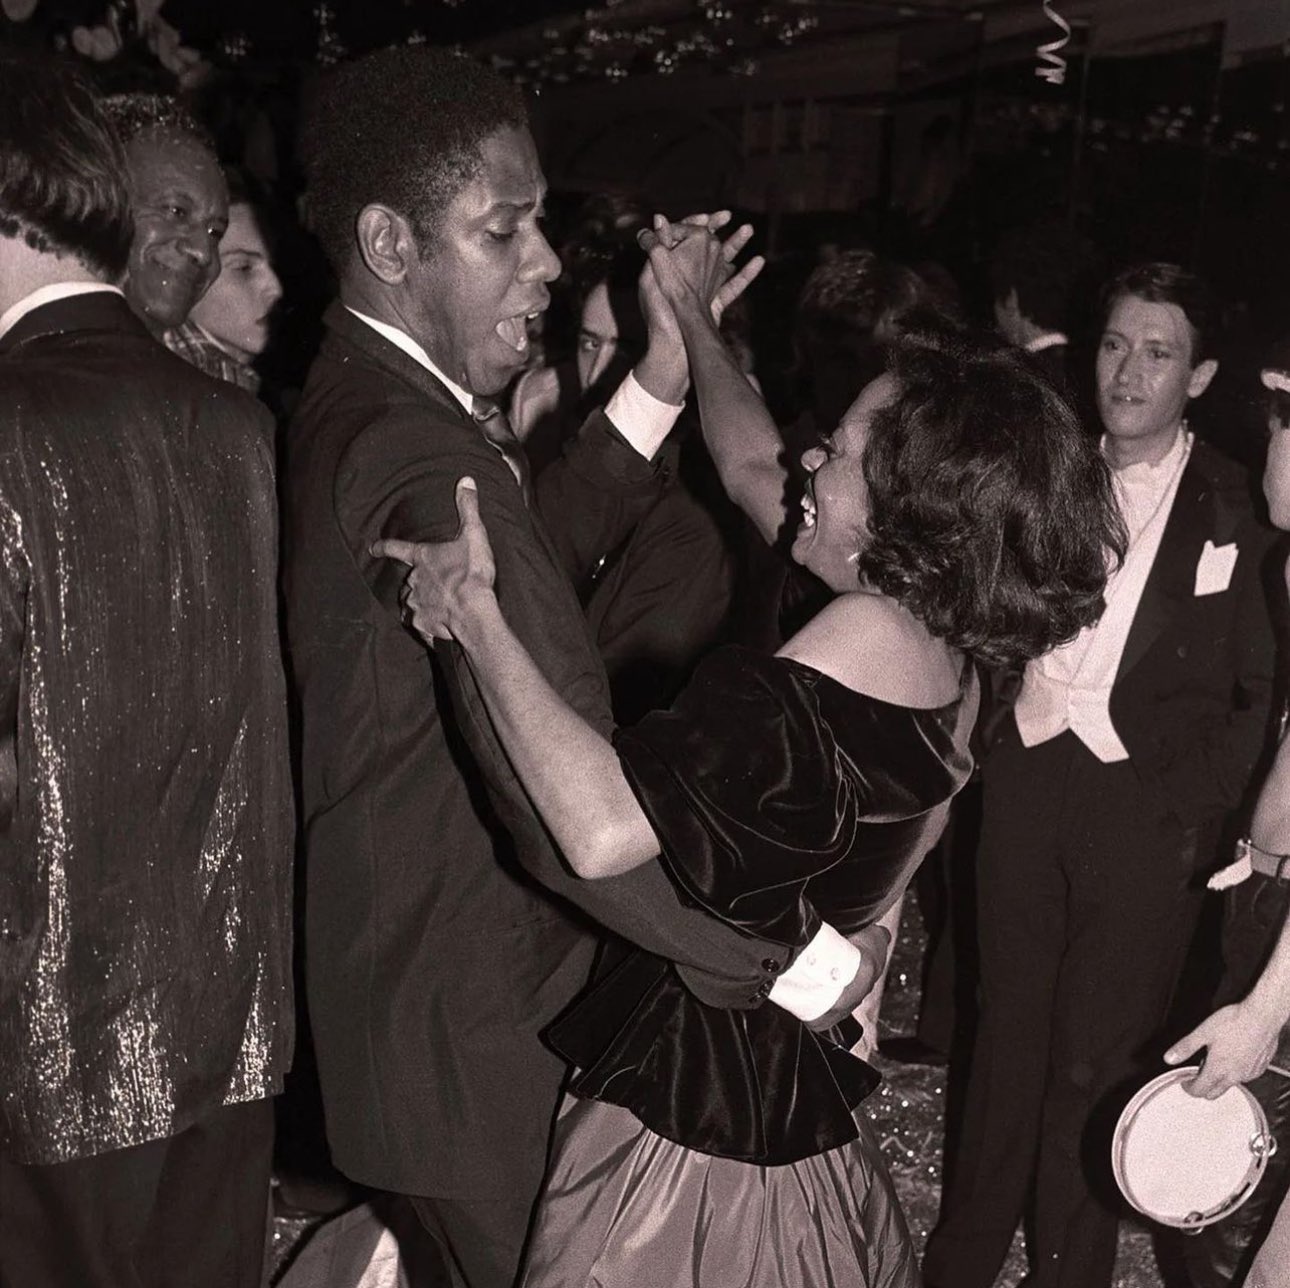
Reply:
x=145 y=815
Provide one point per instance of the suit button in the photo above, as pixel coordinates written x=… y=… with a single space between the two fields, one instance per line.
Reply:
x=1182 y=650
x=771 y=965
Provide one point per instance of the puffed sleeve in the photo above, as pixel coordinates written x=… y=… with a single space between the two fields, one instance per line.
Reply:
x=750 y=793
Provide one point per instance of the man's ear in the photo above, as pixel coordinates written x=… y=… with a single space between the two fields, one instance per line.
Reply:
x=1201 y=375
x=385 y=243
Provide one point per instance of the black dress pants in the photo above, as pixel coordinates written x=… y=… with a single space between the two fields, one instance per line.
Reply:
x=1087 y=903
x=189 y=1211
x=481 y=1240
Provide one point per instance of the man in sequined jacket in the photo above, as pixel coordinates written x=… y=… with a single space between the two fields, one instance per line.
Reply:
x=145 y=808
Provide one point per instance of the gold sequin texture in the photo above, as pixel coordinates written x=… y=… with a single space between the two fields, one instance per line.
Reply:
x=145 y=807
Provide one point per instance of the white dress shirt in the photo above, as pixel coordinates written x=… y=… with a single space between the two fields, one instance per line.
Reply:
x=1049 y=340
x=643 y=420
x=47 y=295
x=1070 y=687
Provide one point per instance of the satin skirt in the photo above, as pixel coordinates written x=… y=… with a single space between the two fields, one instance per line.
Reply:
x=624 y=1208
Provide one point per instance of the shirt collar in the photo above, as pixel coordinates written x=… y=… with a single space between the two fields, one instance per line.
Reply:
x=1144 y=472
x=1049 y=340
x=414 y=351
x=47 y=295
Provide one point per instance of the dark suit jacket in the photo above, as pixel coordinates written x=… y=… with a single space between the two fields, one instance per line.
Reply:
x=1193 y=694
x=432 y=963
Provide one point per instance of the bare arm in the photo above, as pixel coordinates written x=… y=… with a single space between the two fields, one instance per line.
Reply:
x=738 y=429
x=569 y=770
x=1240 y=1040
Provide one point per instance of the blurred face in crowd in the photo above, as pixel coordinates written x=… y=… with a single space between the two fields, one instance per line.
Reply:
x=236 y=308
x=835 y=505
x=610 y=337
x=180 y=206
x=485 y=270
x=1146 y=377
x=597 y=336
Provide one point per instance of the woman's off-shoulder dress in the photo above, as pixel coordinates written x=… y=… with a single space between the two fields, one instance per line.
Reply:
x=709 y=1148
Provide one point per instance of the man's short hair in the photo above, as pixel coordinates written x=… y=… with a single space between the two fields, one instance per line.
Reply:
x=1049 y=266
x=1161 y=283
x=857 y=293
x=402 y=127
x=137 y=113
x=62 y=185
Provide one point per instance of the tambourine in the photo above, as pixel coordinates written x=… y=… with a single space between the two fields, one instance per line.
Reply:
x=1185 y=1161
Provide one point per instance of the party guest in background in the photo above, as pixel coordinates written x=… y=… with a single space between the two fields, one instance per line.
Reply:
x=235 y=315
x=1105 y=792
x=1251 y=1029
x=145 y=806
x=1041 y=276
x=179 y=203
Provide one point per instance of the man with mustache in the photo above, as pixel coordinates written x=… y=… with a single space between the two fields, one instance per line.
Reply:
x=433 y=961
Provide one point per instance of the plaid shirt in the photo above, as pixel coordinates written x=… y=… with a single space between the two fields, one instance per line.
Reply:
x=192 y=344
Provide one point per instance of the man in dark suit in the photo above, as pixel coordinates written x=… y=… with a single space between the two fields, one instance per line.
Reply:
x=145 y=805
x=432 y=960
x=1043 y=284
x=1104 y=795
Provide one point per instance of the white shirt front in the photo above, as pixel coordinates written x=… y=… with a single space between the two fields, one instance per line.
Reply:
x=47 y=295
x=643 y=420
x=1070 y=687
x=1049 y=340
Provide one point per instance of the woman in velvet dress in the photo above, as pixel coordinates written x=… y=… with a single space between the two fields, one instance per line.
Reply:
x=958 y=512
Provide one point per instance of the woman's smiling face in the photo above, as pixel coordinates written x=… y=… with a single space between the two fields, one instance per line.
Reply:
x=835 y=506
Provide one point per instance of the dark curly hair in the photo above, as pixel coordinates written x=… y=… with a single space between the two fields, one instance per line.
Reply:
x=62 y=185
x=403 y=127
x=992 y=516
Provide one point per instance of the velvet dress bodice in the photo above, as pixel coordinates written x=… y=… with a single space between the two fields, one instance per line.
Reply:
x=767 y=783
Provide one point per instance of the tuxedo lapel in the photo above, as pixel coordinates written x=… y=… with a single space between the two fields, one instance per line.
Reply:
x=1197 y=516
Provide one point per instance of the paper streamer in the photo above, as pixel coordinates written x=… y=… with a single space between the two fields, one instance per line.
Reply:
x=1053 y=65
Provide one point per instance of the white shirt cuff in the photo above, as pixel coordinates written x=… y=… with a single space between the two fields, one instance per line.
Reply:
x=641 y=418
x=814 y=982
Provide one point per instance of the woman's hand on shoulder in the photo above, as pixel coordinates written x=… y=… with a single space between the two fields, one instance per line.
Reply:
x=449 y=586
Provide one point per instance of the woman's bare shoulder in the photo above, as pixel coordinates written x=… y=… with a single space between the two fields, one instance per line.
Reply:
x=870 y=644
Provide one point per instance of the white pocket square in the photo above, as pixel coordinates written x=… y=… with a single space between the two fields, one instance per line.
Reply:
x=1214 y=571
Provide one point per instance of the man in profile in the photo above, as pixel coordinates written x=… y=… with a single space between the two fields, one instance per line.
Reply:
x=145 y=806
x=433 y=960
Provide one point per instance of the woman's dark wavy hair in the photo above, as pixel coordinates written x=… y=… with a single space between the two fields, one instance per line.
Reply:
x=62 y=172
x=991 y=510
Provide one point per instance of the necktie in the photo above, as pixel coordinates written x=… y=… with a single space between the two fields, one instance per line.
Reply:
x=491 y=419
